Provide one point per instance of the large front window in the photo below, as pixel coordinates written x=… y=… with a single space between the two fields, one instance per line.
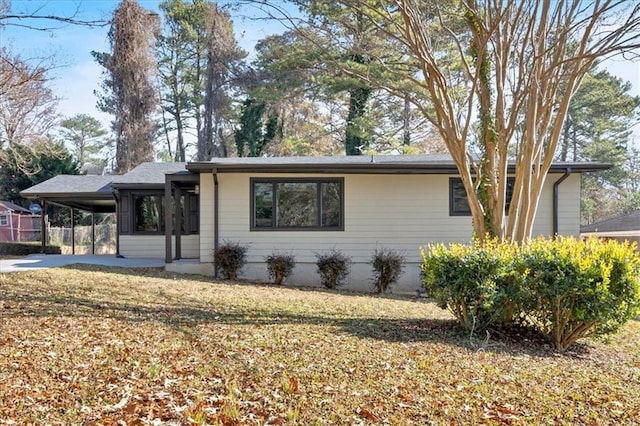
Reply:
x=309 y=204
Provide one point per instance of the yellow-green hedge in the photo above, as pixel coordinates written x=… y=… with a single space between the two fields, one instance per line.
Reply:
x=565 y=288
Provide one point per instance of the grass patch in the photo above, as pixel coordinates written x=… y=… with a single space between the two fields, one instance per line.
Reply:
x=91 y=345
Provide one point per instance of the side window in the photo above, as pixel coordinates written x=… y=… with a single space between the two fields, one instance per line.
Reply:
x=458 y=202
x=297 y=204
x=4 y=220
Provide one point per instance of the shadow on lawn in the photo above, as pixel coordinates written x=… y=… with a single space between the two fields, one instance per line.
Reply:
x=184 y=314
x=184 y=318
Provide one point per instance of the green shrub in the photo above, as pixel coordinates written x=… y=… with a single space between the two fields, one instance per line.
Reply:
x=388 y=265
x=574 y=289
x=333 y=268
x=24 y=249
x=473 y=282
x=230 y=257
x=565 y=289
x=280 y=266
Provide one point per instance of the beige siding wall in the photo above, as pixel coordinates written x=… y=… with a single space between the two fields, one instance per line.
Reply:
x=404 y=212
x=153 y=246
x=206 y=217
x=568 y=207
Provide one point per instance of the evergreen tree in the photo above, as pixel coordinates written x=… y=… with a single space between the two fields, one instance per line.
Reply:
x=84 y=133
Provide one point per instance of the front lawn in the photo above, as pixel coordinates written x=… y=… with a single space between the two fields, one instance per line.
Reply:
x=88 y=345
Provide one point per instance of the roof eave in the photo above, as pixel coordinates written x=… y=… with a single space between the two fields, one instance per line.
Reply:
x=370 y=168
x=65 y=195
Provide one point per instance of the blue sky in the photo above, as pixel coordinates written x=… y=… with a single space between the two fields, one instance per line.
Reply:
x=77 y=75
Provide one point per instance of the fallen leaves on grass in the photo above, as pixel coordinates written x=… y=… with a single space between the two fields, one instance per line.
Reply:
x=88 y=345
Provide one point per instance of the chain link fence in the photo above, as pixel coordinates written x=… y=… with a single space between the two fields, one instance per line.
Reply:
x=105 y=239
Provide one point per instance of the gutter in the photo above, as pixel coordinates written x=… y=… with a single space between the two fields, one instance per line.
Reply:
x=556 y=185
x=216 y=223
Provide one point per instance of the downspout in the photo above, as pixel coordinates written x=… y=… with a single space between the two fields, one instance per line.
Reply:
x=216 y=222
x=556 y=203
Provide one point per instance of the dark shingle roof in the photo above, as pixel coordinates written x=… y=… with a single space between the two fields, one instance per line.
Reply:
x=149 y=174
x=627 y=222
x=70 y=185
x=6 y=205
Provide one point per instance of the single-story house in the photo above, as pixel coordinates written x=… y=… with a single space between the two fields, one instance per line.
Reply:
x=300 y=205
x=17 y=223
x=625 y=227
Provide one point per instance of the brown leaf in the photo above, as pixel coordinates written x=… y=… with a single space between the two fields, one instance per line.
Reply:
x=365 y=413
x=293 y=383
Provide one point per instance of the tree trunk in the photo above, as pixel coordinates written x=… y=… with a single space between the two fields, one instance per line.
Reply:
x=355 y=143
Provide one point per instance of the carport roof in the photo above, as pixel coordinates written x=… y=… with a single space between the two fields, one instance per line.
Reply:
x=85 y=192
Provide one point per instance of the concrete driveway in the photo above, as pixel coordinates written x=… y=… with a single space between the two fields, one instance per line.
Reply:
x=44 y=261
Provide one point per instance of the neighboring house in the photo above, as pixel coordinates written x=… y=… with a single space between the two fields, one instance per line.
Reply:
x=302 y=206
x=622 y=228
x=18 y=223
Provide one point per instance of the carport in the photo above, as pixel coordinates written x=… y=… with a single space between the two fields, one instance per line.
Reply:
x=89 y=193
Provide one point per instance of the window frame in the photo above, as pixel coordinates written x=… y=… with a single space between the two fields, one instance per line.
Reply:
x=134 y=215
x=453 y=181
x=274 y=181
x=5 y=218
x=192 y=224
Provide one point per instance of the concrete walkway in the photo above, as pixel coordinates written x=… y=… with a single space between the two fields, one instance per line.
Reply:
x=44 y=261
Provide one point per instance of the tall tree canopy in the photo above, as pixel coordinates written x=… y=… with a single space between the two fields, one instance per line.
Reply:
x=131 y=95
x=198 y=59
x=499 y=77
x=598 y=128
x=223 y=56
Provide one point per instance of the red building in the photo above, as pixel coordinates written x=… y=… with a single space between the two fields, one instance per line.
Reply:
x=18 y=223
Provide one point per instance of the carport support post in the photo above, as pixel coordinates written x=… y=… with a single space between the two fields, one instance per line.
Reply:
x=73 y=231
x=177 y=211
x=168 y=258
x=43 y=227
x=93 y=232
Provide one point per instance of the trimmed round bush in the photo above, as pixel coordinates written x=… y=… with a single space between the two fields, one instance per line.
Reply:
x=280 y=266
x=230 y=257
x=333 y=267
x=388 y=265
